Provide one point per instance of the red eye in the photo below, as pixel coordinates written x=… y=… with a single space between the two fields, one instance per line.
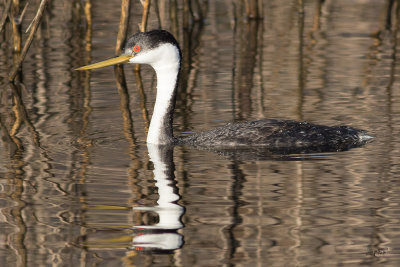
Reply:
x=136 y=48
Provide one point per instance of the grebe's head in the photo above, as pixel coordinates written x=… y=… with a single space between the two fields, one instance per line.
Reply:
x=157 y=48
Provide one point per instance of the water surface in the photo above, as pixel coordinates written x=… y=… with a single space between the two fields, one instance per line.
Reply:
x=79 y=186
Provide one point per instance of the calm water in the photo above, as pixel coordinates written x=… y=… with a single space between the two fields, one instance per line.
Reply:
x=79 y=186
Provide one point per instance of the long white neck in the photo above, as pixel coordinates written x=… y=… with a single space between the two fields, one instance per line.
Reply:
x=160 y=130
x=165 y=59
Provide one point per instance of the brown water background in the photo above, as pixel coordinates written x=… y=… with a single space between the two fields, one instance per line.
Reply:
x=74 y=191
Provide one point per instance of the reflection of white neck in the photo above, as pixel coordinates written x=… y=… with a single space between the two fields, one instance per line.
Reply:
x=168 y=211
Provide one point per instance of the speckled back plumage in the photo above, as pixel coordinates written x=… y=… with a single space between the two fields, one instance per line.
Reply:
x=277 y=134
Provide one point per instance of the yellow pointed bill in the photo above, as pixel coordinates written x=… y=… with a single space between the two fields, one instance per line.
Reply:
x=105 y=63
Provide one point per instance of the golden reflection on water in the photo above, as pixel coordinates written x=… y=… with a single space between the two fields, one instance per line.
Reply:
x=78 y=186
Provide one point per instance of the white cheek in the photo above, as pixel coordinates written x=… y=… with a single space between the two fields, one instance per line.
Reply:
x=142 y=58
x=161 y=57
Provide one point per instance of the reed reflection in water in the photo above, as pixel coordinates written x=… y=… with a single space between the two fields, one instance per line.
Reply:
x=79 y=187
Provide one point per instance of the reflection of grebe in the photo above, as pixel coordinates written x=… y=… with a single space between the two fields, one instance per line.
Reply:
x=160 y=49
x=162 y=235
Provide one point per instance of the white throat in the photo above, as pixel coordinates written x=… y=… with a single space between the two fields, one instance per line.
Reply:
x=165 y=60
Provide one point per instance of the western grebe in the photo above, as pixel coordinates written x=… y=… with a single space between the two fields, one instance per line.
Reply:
x=160 y=49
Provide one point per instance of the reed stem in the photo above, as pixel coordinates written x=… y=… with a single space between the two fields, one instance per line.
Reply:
x=35 y=25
